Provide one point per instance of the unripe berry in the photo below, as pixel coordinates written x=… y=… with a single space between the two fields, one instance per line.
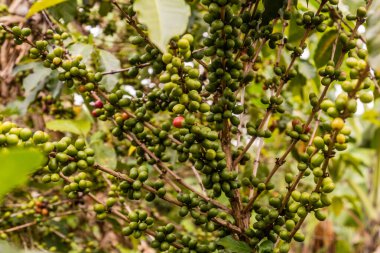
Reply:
x=366 y=97
x=16 y=30
x=99 y=208
x=320 y=215
x=39 y=137
x=167 y=58
x=57 y=61
x=183 y=44
x=361 y=12
x=25 y=134
x=58 y=51
x=337 y=124
x=26 y=32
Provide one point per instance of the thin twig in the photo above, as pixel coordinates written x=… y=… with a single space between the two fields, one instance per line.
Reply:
x=199 y=179
x=125 y=69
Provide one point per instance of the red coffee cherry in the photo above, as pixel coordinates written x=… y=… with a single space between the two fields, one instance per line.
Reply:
x=178 y=121
x=98 y=104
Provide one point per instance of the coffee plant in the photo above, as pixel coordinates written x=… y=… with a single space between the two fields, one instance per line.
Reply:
x=186 y=126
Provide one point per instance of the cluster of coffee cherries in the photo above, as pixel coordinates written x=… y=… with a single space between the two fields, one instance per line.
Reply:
x=79 y=183
x=165 y=236
x=74 y=71
x=66 y=155
x=133 y=190
x=191 y=244
x=149 y=54
x=20 y=34
x=56 y=108
x=204 y=147
x=36 y=209
x=11 y=135
x=298 y=132
x=311 y=20
x=201 y=211
x=139 y=222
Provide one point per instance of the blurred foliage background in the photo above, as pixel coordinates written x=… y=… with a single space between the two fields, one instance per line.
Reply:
x=33 y=94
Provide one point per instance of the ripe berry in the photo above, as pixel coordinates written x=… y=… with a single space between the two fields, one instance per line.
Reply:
x=295 y=122
x=96 y=113
x=178 y=121
x=98 y=104
x=125 y=116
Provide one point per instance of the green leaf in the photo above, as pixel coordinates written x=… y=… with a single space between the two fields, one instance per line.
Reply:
x=79 y=127
x=109 y=62
x=266 y=247
x=343 y=246
x=295 y=32
x=324 y=48
x=42 y=5
x=7 y=248
x=85 y=50
x=32 y=84
x=271 y=9
x=372 y=35
x=350 y=6
x=23 y=67
x=232 y=245
x=362 y=196
x=164 y=19
x=65 y=11
x=104 y=8
x=104 y=152
x=16 y=165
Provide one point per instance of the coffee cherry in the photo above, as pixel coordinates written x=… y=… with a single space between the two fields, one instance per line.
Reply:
x=320 y=215
x=46 y=179
x=178 y=121
x=183 y=44
x=12 y=139
x=179 y=109
x=16 y=30
x=127 y=231
x=99 y=208
x=39 y=137
x=57 y=61
x=55 y=177
x=299 y=237
x=62 y=157
x=58 y=51
x=167 y=58
x=337 y=124
x=110 y=202
x=317 y=160
x=366 y=97
x=26 y=32
x=98 y=104
x=361 y=12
